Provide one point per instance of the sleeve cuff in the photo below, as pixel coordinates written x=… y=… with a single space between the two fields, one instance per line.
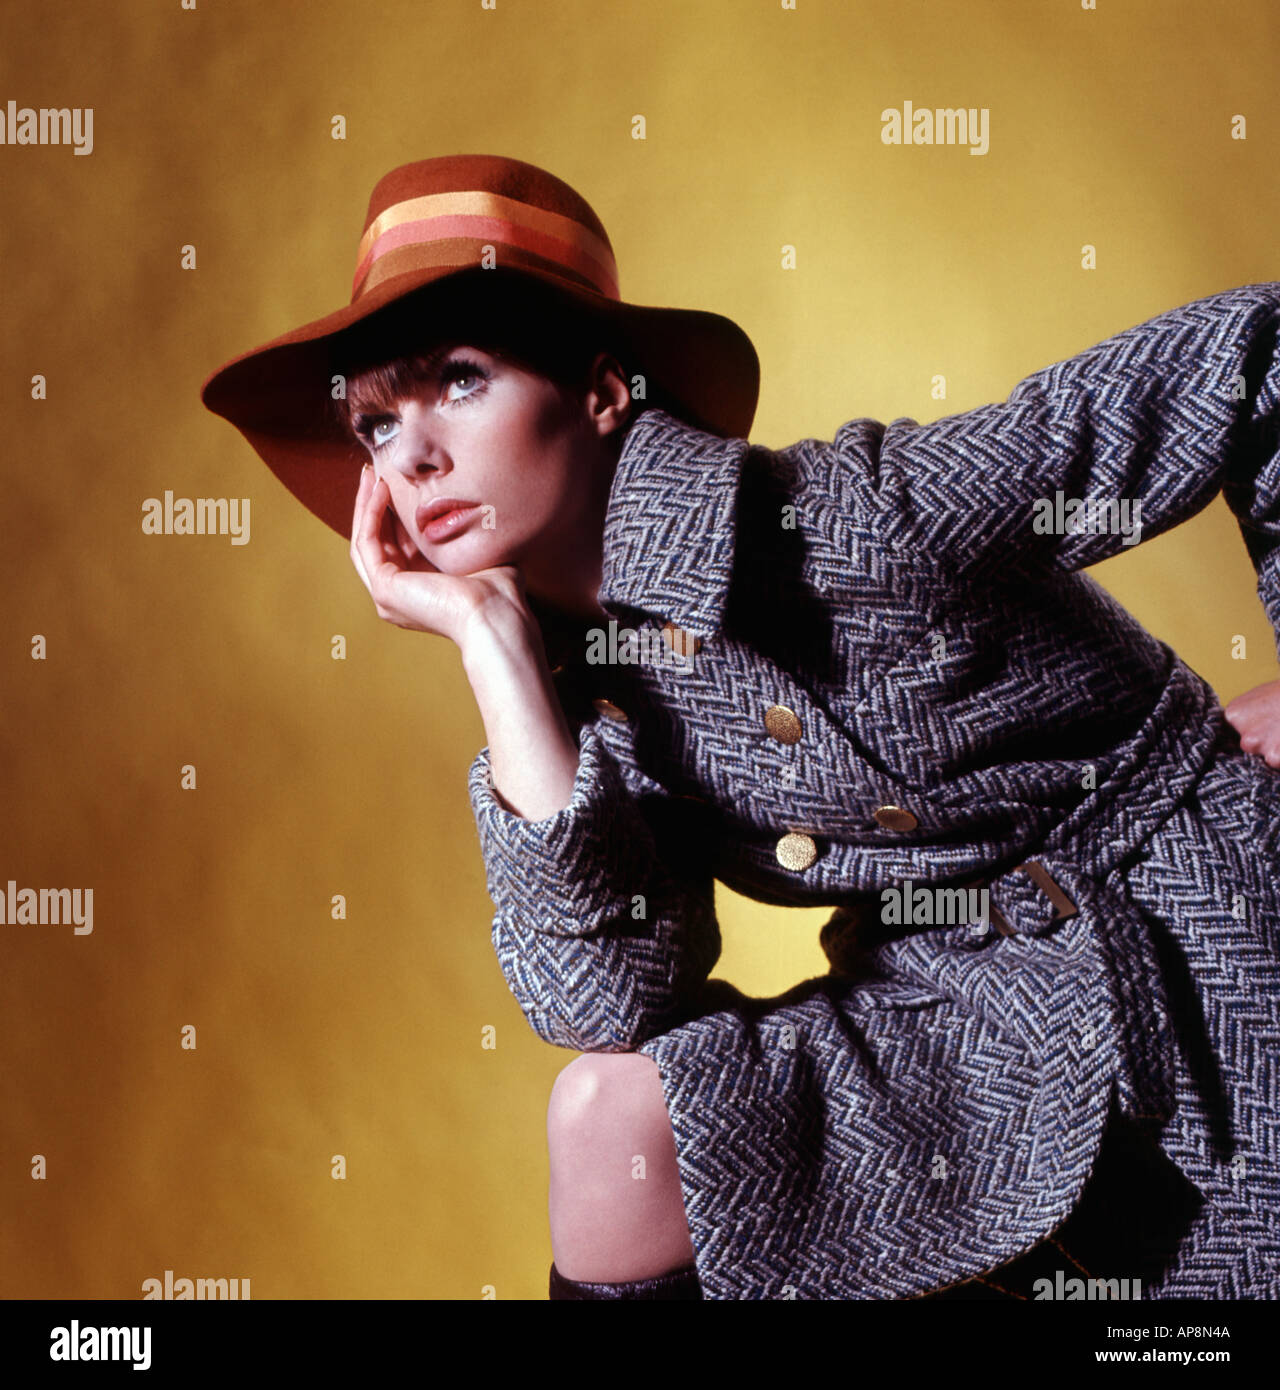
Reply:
x=577 y=870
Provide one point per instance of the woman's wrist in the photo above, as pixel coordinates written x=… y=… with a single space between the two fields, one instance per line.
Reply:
x=533 y=753
x=499 y=634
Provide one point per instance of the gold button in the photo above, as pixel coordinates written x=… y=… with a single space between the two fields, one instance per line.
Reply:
x=782 y=724
x=609 y=709
x=796 y=850
x=895 y=818
x=681 y=643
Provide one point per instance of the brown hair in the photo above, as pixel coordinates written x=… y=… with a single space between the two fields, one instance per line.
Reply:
x=514 y=318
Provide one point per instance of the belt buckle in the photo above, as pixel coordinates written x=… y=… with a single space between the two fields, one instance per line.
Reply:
x=999 y=921
x=1046 y=883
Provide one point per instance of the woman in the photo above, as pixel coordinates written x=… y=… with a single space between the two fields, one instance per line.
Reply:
x=870 y=673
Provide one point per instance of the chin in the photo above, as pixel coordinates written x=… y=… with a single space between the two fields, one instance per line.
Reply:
x=454 y=559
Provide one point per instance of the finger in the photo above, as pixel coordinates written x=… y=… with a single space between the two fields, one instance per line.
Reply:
x=362 y=497
x=1239 y=710
x=358 y=562
x=366 y=539
x=358 y=523
x=387 y=522
x=404 y=540
x=379 y=549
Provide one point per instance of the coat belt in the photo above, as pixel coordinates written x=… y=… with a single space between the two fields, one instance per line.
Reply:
x=1025 y=900
x=1028 y=900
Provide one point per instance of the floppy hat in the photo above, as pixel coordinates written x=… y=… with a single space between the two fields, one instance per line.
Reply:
x=437 y=232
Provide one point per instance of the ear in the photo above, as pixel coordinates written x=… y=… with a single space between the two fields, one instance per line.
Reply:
x=608 y=395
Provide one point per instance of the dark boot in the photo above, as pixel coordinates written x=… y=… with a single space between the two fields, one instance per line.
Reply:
x=679 y=1283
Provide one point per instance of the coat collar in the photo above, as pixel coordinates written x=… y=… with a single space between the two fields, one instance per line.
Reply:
x=670 y=531
x=671 y=524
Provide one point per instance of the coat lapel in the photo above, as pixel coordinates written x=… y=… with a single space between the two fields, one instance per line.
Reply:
x=669 y=536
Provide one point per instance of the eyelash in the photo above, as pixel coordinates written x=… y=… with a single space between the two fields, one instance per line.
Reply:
x=457 y=368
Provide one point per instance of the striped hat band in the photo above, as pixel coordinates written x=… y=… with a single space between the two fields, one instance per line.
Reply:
x=455 y=228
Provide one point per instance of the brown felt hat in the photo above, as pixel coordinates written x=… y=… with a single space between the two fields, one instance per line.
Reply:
x=439 y=235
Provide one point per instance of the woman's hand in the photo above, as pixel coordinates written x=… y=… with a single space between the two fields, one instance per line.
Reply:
x=408 y=590
x=1255 y=716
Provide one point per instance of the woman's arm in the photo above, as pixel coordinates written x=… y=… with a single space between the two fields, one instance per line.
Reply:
x=1148 y=426
x=603 y=931
x=605 y=927
x=533 y=754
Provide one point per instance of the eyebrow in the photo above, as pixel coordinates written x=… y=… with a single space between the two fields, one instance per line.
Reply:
x=436 y=356
x=423 y=364
x=431 y=360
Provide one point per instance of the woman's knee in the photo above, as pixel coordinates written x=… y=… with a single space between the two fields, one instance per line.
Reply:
x=604 y=1097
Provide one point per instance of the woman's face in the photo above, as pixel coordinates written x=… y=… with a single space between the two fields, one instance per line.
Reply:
x=522 y=457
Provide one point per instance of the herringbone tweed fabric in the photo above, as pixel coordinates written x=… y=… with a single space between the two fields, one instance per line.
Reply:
x=933 y=1106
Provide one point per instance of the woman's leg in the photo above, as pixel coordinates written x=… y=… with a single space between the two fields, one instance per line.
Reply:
x=614 y=1198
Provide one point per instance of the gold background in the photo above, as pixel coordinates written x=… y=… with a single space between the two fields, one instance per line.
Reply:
x=212 y=127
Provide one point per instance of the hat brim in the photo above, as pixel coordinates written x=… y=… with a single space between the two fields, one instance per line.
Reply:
x=279 y=395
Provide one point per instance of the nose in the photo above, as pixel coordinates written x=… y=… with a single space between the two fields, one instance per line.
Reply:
x=419 y=451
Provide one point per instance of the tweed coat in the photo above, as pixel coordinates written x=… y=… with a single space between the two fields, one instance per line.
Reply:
x=899 y=675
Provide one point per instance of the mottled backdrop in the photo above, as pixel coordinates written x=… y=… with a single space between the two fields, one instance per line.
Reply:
x=1116 y=128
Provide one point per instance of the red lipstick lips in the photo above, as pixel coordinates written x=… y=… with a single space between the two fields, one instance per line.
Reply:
x=443 y=516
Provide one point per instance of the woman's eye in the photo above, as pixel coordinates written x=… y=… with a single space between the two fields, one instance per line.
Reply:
x=467 y=374
x=375 y=434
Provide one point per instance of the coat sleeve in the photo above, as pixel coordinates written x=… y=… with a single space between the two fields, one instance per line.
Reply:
x=605 y=924
x=1164 y=415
